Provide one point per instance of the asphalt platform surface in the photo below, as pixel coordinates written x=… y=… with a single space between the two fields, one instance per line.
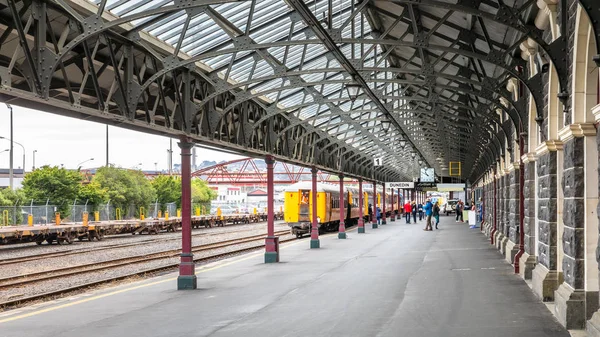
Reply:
x=397 y=280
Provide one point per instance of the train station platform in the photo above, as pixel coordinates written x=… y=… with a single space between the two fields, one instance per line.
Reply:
x=397 y=280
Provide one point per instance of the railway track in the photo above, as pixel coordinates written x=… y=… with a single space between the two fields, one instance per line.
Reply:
x=19 y=280
x=12 y=281
x=21 y=259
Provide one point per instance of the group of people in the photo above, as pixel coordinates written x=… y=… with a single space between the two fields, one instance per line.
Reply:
x=428 y=211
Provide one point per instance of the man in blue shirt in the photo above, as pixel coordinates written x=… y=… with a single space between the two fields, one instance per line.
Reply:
x=428 y=212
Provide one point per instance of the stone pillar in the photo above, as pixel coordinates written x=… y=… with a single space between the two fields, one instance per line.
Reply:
x=545 y=276
x=593 y=325
x=571 y=298
x=529 y=258
x=512 y=214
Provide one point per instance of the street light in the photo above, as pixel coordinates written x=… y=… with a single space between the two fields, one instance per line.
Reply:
x=83 y=162
x=21 y=145
x=4 y=151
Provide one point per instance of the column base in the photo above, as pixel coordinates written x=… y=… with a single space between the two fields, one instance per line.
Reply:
x=526 y=264
x=271 y=257
x=341 y=235
x=511 y=250
x=593 y=325
x=569 y=307
x=374 y=225
x=271 y=249
x=393 y=219
x=361 y=230
x=383 y=222
x=186 y=282
x=315 y=243
x=544 y=282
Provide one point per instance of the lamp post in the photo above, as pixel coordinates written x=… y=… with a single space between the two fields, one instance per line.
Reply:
x=10 y=171
x=83 y=162
x=11 y=147
x=34 y=152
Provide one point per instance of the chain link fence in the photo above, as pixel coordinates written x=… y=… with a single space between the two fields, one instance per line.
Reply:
x=18 y=214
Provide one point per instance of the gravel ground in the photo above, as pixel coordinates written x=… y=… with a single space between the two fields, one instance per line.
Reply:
x=70 y=281
x=52 y=263
x=31 y=249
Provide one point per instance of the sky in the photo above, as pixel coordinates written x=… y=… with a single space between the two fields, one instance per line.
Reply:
x=68 y=141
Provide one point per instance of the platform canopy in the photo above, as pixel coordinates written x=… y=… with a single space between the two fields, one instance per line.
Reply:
x=331 y=84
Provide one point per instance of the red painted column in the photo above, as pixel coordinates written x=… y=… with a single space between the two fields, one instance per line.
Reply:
x=314 y=233
x=374 y=212
x=271 y=241
x=342 y=228
x=187 y=271
x=495 y=207
x=393 y=201
x=383 y=217
x=361 y=220
x=521 y=205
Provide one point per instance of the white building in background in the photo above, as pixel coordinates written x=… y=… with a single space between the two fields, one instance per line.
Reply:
x=5 y=178
x=229 y=195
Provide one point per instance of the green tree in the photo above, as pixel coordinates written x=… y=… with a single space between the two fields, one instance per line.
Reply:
x=125 y=187
x=59 y=185
x=202 y=194
x=93 y=193
x=168 y=189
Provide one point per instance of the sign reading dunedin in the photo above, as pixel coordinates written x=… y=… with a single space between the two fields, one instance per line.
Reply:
x=401 y=184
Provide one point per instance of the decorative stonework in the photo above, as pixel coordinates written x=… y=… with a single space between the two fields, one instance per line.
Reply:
x=576 y=130
x=529 y=157
x=548 y=146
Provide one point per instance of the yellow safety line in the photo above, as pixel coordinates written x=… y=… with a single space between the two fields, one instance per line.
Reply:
x=203 y=270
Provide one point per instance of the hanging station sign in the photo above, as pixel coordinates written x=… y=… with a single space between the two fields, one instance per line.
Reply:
x=401 y=184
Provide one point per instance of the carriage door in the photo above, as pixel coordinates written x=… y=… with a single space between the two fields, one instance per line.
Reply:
x=304 y=207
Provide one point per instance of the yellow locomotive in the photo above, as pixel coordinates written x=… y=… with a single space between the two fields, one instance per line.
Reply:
x=298 y=206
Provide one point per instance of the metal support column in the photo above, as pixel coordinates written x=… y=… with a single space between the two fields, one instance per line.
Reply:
x=361 y=220
x=521 y=203
x=495 y=206
x=374 y=211
x=314 y=233
x=383 y=217
x=393 y=201
x=271 y=241
x=187 y=272
x=342 y=228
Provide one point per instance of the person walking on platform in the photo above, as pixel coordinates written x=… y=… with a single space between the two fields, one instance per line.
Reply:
x=420 y=210
x=436 y=214
x=460 y=206
x=414 y=210
x=428 y=212
x=407 y=211
x=378 y=214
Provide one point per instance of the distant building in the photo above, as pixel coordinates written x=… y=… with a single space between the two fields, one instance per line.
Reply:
x=5 y=178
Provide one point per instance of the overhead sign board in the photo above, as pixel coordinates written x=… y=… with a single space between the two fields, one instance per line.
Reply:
x=401 y=184
x=451 y=187
x=425 y=185
x=378 y=161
